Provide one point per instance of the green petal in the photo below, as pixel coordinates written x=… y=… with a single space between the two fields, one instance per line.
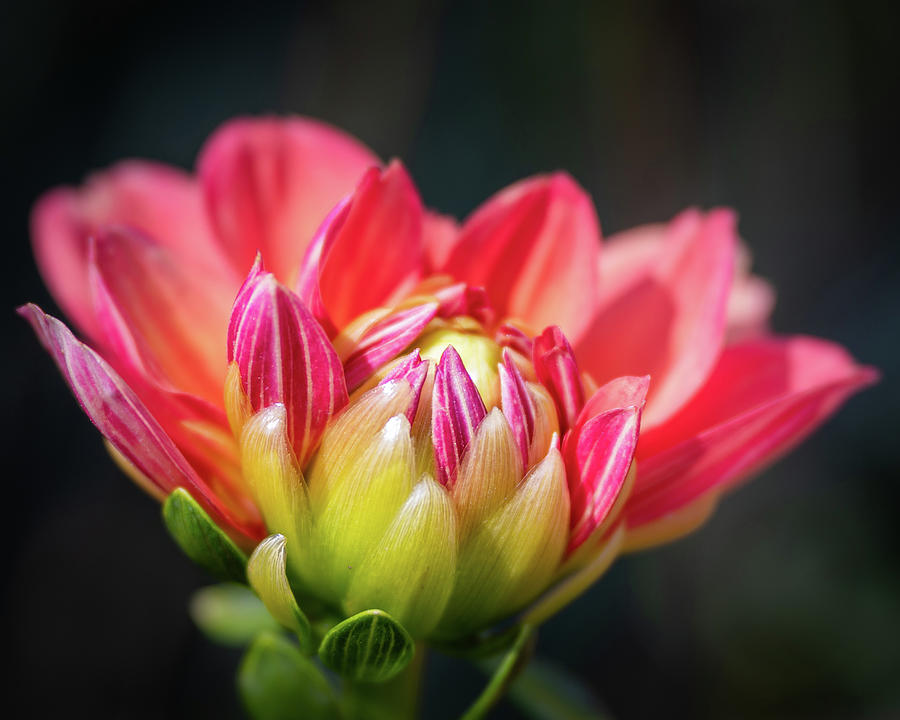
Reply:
x=266 y=572
x=201 y=539
x=370 y=646
x=277 y=682
x=230 y=614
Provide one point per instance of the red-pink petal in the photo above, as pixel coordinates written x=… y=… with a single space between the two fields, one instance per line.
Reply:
x=598 y=456
x=509 y=336
x=750 y=304
x=461 y=299
x=669 y=323
x=123 y=419
x=159 y=314
x=161 y=201
x=556 y=368
x=763 y=398
x=384 y=341
x=440 y=234
x=456 y=412
x=285 y=357
x=370 y=251
x=413 y=369
x=518 y=406
x=534 y=246
x=268 y=183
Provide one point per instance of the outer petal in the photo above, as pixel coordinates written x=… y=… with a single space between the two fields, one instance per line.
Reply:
x=268 y=183
x=534 y=246
x=763 y=398
x=369 y=252
x=629 y=254
x=670 y=321
x=161 y=201
x=440 y=234
x=284 y=356
x=161 y=315
x=557 y=369
x=123 y=419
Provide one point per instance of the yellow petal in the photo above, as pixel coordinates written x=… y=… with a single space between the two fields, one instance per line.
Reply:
x=514 y=554
x=488 y=474
x=410 y=571
x=363 y=494
x=237 y=405
x=546 y=424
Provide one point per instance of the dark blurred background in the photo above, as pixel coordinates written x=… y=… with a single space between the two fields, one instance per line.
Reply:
x=787 y=604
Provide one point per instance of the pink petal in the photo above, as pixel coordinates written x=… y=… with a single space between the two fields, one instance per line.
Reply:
x=123 y=419
x=370 y=251
x=669 y=323
x=268 y=182
x=440 y=234
x=413 y=369
x=535 y=247
x=457 y=411
x=461 y=299
x=598 y=455
x=518 y=406
x=509 y=336
x=763 y=398
x=163 y=202
x=556 y=368
x=161 y=314
x=285 y=357
x=750 y=304
x=621 y=392
x=384 y=341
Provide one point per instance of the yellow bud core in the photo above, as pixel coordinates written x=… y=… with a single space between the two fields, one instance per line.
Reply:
x=479 y=353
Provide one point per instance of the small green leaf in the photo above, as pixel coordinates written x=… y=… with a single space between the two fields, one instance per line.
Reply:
x=230 y=614
x=268 y=578
x=370 y=646
x=278 y=682
x=201 y=539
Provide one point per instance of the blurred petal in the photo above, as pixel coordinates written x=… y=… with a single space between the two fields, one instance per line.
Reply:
x=456 y=412
x=268 y=182
x=285 y=357
x=370 y=251
x=164 y=317
x=440 y=234
x=534 y=246
x=123 y=419
x=749 y=306
x=160 y=201
x=669 y=323
x=763 y=398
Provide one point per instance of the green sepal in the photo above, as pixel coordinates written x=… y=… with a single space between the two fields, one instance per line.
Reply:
x=201 y=539
x=370 y=646
x=268 y=578
x=278 y=682
x=230 y=614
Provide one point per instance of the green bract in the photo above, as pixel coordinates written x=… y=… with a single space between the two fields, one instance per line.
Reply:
x=370 y=646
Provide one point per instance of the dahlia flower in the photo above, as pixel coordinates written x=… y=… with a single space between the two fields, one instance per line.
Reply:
x=454 y=425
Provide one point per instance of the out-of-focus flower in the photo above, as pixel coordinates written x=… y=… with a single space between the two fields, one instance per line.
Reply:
x=443 y=422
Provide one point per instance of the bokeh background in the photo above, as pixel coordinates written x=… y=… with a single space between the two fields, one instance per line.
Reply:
x=787 y=604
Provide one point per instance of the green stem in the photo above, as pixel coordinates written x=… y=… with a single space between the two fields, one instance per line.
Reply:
x=396 y=699
x=510 y=666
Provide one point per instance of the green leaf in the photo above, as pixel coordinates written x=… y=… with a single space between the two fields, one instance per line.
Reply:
x=278 y=682
x=545 y=692
x=266 y=572
x=230 y=614
x=370 y=646
x=503 y=674
x=201 y=539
